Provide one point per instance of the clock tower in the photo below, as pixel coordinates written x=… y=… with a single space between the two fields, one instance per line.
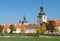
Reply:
x=41 y=17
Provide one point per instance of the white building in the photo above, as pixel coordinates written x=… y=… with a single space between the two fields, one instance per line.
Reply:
x=41 y=17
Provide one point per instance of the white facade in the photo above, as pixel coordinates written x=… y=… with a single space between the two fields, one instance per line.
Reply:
x=44 y=18
x=41 y=17
x=59 y=29
x=29 y=30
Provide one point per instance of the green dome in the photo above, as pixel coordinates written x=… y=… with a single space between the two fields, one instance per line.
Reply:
x=41 y=7
x=41 y=13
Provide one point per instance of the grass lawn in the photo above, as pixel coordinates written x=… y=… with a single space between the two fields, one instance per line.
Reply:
x=19 y=38
x=29 y=39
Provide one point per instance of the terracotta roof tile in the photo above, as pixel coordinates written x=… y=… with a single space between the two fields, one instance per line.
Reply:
x=6 y=25
x=56 y=21
x=20 y=25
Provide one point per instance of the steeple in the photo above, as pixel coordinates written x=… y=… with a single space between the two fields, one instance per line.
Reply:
x=24 y=21
x=41 y=16
x=42 y=11
x=19 y=21
x=24 y=18
x=41 y=8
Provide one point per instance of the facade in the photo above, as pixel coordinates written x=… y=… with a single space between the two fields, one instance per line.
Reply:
x=30 y=28
x=57 y=23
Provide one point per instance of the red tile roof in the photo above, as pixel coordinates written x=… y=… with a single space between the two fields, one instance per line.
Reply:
x=20 y=25
x=57 y=22
x=32 y=26
x=29 y=25
x=6 y=25
x=17 y=25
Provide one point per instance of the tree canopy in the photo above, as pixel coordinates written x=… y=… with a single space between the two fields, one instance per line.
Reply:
x=1 y=28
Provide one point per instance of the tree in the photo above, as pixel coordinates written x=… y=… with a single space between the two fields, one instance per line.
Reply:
x=23 y=29
x=12 y=28
x=43 y=28
x=51 y=25
x=37 y=30
x=56 y=29
x=1 y=29
x=5 y=30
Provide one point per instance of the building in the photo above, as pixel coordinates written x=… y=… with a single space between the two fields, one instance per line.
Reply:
x=24 y=21
x=41 y=16
x=56 y=22
x=31 y=28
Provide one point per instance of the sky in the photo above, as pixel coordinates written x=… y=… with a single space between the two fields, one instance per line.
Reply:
x=11 y=11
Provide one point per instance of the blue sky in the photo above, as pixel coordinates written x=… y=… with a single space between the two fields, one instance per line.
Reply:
x=11 y=11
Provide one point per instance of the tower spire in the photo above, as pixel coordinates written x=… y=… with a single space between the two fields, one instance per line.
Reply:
x=24 y=20
x=41 y=9
x=41 y=16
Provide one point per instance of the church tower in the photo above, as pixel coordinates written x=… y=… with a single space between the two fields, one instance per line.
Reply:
x=41 y=17
x=24 y=20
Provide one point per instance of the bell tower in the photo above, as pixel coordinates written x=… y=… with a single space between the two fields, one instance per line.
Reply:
x=24 y=20
x=41 y=17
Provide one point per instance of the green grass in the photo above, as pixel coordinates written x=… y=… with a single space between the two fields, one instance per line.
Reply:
x=19 y=38
x=29 y=39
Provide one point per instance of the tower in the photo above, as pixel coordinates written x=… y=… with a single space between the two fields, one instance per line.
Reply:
x=41 y=16
x=19 y=21
x=24 y=20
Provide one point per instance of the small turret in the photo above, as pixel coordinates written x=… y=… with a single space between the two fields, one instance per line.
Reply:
x=24 y=20
x=19 y=21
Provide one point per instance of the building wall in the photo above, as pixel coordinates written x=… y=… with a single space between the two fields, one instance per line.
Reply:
x=29 y=30
x=59 y=30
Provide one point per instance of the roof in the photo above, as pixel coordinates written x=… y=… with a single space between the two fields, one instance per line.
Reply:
x=6 y=25
x=42 y=13
x=20 y=25
x=57 y=22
